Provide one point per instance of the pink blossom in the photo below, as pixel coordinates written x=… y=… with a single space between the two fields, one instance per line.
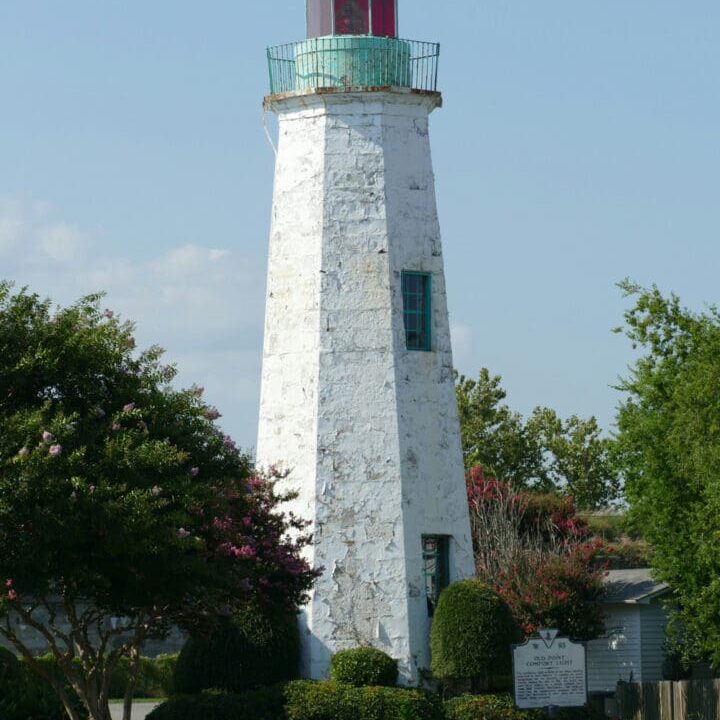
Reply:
x=156 y=491
x=229 y=443
x=9 y=583
x=55 y=450
x=129 y=408
x=47 y=436
x=212 y=413
x=183 y=533
x=247 y=522
x=12 y=595
x=255 y=482
x=244 y=553
x=23 y=452
x=222 y=524
x=109 y=314
x=115 y=427
x=195 y=471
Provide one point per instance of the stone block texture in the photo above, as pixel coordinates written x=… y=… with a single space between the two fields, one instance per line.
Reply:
x=367 y=429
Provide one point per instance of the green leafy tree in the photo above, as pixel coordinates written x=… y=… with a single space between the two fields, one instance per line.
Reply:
x=669 y=446
x=121 y=502
x=543 y=452
x=496 y=438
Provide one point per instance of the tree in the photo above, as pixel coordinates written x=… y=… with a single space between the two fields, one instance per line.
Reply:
x=120 y=500
x=669 y=447
x=494 y=437
x=534 y=551
x=544 y=452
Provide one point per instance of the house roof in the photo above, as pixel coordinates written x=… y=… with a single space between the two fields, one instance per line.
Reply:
x=633 y=586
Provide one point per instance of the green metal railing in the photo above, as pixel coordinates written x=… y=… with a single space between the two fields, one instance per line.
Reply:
x=347 y=61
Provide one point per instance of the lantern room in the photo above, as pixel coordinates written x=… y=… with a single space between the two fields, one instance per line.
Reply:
x=352 y=17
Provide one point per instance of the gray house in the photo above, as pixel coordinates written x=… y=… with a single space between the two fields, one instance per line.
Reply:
x=632 y=647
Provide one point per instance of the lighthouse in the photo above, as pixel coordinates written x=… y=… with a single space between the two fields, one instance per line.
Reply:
x=358 y=399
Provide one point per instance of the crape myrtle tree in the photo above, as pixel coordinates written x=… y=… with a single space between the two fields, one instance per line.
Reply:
x=669 y=445
x=121 y=499
x=538 y=555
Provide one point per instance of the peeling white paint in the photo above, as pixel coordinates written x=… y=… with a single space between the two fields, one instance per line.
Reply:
x=369 y=430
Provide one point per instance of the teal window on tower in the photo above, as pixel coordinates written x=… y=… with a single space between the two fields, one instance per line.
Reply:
x=417 y=311
x=436 y=567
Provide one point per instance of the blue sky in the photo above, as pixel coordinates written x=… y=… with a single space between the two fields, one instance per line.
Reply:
x=578 y=145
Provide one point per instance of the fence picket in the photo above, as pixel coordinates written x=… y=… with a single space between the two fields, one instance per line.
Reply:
x=685 y=700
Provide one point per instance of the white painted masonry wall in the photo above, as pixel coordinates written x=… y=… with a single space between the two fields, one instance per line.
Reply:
x=368 y=429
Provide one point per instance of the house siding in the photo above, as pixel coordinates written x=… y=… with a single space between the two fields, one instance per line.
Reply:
x=617 y=655
x=653 y=620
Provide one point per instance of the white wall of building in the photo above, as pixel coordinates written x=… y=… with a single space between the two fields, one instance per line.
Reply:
x=632 y=647
x=368 y=429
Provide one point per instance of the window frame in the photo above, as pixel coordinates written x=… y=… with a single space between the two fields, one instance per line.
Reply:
x=441 y=574
x=425 y=314
x=312 y=29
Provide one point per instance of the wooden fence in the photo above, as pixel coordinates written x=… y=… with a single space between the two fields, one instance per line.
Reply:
x=687 y=700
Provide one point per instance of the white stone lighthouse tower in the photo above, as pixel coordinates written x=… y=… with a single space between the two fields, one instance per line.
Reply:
x=358 y=398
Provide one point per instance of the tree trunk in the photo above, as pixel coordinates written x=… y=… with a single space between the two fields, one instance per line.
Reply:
x=130 y=690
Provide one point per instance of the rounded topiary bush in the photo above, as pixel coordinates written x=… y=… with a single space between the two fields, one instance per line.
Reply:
x=471 y=635
x=363 y=667
x=257 y=649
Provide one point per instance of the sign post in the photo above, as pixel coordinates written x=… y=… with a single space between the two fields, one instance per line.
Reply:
x=549 y=672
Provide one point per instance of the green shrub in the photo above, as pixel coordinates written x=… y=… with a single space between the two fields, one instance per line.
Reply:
x=257 y=649
x=147 y=684
x=26 y=696
x=487 y=707
x=471 y=634
x=363 y=667
x=264 y=704
x=335 y=701
x=501 y=707
x=165 y=670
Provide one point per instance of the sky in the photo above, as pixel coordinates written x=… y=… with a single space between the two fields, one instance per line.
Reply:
x=579 y=144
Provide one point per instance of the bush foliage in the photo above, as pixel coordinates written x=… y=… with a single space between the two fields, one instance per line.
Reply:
x=335 y=701
x=362 y=667
x=501 y=707
x=26 y=696
x=264 y=704
x=471 y=634
x=257 y=649
x=305 y=700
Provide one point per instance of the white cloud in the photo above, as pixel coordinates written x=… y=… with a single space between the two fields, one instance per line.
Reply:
x=203 y=304
x=463 y=345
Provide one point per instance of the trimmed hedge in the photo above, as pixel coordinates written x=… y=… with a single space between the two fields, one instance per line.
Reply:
x=501 y=707
x=471 y=634
x=364 y=667
x=487 y=707
x=265 y=704
x=257 y=649
x=306 y=700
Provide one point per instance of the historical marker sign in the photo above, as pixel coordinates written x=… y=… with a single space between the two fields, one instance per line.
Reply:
x=549 y=671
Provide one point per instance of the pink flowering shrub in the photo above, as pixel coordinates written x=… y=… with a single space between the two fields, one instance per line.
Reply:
x=534 y=551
